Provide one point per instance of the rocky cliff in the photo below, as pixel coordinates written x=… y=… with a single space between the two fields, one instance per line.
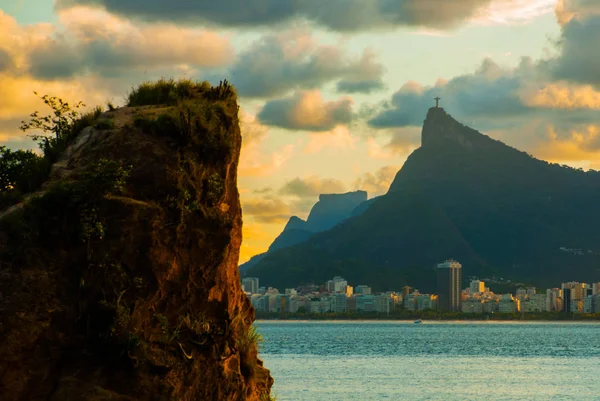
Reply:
x=119 y=279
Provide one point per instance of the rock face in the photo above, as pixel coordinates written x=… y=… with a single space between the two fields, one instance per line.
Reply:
x=330 y=210
x=462 y=194
x=119 y=281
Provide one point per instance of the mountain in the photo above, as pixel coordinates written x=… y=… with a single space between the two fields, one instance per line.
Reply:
x=329 y=211
x=462 y=194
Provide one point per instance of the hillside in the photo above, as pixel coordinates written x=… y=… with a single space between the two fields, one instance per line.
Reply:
x=462 y=195
x=329 y=211
x=118 y=277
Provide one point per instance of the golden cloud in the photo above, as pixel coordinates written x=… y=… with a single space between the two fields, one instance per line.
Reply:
x=580 y=147
x=337 y=139
x=562 y=95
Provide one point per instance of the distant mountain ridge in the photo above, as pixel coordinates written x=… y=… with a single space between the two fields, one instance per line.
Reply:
x=330 y=210
x=465 y=195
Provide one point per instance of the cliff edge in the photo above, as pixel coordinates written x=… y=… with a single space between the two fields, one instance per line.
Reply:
x=119 y=278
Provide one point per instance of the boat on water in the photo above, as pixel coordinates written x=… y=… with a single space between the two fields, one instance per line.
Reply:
x=418 y=321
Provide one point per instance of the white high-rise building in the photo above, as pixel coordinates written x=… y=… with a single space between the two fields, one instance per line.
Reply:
x=339 y=284
x=250 y=285
x=362 y=289
x=476 y=287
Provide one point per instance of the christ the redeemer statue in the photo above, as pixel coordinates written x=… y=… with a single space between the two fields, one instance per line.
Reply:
x=437 y=102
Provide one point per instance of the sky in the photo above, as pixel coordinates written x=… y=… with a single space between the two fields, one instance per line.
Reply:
x=332 y=93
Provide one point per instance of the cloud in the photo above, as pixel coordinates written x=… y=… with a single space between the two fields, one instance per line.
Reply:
x=566 y=10
x=278 y=63
x=306 y=110
x=254 y=162
x=579 y=60
x=502 y=12
x=94 y=41
x=491 y=91
x=6 y=61
x=337 y=139
x=561 y=95
x=267 y=210
x=311 y=187
x=579 y=145
x=343 y=16
x=377 y=183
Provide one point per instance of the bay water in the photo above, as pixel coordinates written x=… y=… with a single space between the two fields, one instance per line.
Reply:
x=395 y=360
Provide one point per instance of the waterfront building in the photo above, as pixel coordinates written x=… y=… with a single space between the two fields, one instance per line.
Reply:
x=553 y=300
x=509 y=304
x=476 y=287
x=472 y=305
x=426 y=301
x=339 y=284
x=250 y=285
x=577 y=305
x=339 y=303
x=534 y=303
x=325 y=305
x=409 y=302
x=259 y=302
x=351 y=304
x=491 y=305
x=365 y=303
x=530 y=291
x=362 y=289
x=449 y=277
x=521 y=293
x=315 y=306
x=596 y=289
x=588 y=304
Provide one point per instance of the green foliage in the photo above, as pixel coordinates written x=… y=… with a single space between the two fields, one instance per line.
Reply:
x=202 y=125
x=111 y=107
x=170 y=92
x=215 y=188
x=251 y=339
x=23 y=172
x=57 y=127
x=105 y=124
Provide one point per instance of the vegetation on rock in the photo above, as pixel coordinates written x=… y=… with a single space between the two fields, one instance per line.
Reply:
x=118 y=270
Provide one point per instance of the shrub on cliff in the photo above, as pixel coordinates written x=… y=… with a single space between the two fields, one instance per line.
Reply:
x=170 y=92
x=23 y=172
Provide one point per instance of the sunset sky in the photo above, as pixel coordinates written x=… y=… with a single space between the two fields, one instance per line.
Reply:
x=333 y=93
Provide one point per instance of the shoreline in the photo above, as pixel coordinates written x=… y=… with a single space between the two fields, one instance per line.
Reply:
x=434 y=317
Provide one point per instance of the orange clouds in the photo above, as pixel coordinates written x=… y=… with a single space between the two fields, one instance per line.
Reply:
x=581 y=146
x=561 y=95
x=337 y=139
x=513 y=11
x=307 y=110
x=377 y=183
x=253 y=161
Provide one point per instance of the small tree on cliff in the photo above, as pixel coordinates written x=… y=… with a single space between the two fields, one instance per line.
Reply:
x=57 y=128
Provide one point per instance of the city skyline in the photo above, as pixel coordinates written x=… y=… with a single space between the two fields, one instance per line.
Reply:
x=337 y=296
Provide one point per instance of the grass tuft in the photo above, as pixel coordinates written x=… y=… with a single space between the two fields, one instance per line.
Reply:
x=170 y=92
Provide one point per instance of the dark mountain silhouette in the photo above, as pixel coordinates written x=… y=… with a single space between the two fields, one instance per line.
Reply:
x=464 y=195
x=330 y=210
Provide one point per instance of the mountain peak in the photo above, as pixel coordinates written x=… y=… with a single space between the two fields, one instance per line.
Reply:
x=440 y=127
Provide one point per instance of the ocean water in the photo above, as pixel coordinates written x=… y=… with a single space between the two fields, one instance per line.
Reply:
x=316 y=360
